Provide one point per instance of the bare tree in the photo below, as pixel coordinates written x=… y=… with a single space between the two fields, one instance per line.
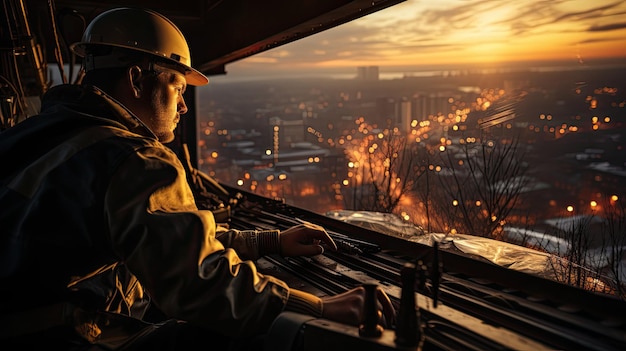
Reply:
x=573 y=269
x=481 y=184
x=590 y=248
x=615 y=229
x=384 y=169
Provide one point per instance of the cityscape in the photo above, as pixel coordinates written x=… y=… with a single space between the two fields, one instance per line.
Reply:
x=298 y=139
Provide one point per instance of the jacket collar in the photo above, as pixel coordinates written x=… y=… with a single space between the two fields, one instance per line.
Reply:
x=93 y=101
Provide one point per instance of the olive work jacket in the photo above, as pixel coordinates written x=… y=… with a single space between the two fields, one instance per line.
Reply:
x=96 y=211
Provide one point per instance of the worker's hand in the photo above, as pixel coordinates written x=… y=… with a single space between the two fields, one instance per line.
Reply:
x=348 y=307
x=305 y=239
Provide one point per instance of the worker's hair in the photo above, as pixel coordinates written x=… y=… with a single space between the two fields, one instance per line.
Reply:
x=105 y=78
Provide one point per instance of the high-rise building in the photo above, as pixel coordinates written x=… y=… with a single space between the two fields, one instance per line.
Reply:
x=404 y=115
x=369 y=73
x=430 y=105
x=287 y=132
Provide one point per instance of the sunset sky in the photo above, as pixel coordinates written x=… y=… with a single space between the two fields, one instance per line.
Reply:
x=419 y=35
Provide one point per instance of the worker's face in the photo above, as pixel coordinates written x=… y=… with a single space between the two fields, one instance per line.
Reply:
x=164 y=103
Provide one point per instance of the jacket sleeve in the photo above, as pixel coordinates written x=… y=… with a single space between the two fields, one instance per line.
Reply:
x=172 y=248
x=250 y=244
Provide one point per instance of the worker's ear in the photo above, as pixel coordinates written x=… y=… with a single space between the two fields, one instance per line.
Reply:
x=134 y=80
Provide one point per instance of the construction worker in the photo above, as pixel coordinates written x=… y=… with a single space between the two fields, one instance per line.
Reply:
x=103 y=246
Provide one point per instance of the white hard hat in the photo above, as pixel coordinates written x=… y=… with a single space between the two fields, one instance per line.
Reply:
x=140 y=30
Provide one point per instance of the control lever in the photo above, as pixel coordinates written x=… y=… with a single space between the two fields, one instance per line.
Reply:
x=435 y=275
x=408 y=331
x=370 y=327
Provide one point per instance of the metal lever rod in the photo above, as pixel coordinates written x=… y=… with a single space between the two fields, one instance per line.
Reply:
x=370 y=326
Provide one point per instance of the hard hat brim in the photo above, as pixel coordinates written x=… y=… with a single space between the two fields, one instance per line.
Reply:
x=196 y=78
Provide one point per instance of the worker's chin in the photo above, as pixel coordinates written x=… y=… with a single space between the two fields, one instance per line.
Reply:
x=166 y=137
